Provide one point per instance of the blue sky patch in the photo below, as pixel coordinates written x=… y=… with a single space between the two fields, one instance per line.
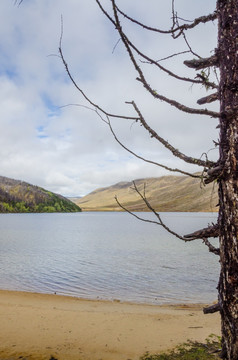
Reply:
x=54 y=110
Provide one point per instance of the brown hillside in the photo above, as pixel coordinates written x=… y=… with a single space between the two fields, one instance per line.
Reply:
x=167 y=193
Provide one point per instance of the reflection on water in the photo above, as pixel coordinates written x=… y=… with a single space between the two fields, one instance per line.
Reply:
x=108 y=256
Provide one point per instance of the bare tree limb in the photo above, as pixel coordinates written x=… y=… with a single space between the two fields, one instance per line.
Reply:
x=152 y=61
x=149 y=161
x=189 y=46
x=161 y=223
x=108 y=122
x=212 y=309
x=152 y=133
x=213 y=174
x=176 y=104
x=168 y=146
x=159 y=219
x=86 y=97
x=143 y=80
x=179 y=29
x=210 y=231
x=173 y=55
x=203 y=63
x=211 y=248
x=181 y=32
x=204 y=234
x=170 y=73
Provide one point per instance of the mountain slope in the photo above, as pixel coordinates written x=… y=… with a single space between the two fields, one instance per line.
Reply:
x=167 y=193
x=19 y=196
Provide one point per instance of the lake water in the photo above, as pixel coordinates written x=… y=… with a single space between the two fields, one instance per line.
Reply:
x=107 y=256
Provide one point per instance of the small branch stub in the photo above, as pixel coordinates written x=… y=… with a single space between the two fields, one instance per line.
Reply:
x=210 y=231
x=199 y=64
x=213 y=174
x=212 y=309
x=208 y=99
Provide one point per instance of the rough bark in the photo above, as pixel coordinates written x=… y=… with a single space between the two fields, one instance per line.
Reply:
x=210 y=231
x=227 y=11
x=202 y=63
x=212 y=309
x=208 y=99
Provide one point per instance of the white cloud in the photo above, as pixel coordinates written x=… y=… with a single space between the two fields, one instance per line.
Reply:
x=68 y=149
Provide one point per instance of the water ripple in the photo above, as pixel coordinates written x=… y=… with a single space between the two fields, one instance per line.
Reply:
x=106 y=255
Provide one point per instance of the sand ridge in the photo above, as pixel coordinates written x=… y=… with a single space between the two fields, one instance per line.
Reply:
x=38 y=326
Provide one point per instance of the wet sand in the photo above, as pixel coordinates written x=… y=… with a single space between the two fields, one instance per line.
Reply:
x=38 y=326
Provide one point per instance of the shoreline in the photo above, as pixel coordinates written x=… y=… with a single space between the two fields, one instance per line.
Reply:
x=38 y=326
x=155 y=302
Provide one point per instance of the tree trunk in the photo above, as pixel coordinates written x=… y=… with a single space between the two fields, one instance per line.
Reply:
x=227 y=11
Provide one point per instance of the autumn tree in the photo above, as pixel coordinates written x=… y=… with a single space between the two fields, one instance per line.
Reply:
x=224 y=62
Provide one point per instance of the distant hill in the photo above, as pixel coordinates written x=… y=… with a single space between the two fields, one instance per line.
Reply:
x=19 y=197
x=167 y=193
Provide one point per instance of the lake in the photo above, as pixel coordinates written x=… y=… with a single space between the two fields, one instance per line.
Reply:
x=108 y=255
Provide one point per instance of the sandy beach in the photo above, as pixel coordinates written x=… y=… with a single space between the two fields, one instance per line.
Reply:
x=38 y=326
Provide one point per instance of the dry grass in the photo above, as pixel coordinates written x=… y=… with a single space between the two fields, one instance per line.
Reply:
x=167 y=193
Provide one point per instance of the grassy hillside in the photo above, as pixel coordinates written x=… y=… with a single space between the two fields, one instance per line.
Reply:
x=167 y=193
x=19 y=196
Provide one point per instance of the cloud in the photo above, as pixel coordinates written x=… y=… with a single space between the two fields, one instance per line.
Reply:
x=68 y=148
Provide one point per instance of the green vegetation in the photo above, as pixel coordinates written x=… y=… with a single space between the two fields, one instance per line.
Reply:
x=191 y=351
x=20 y=197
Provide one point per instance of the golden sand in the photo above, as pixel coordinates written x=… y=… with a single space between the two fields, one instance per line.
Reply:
x=38 y=326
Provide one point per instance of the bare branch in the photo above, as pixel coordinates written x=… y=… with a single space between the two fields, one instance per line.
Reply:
x=189 y=46
x=208 y=99
x=179 y=29
x=204 y=234
x=213 y=174
x=173 y=55
x=85 y=96
x=168 y=146
x=176 y=104
x=152 y=61
x=127 y=149
x=210 y=231
x=161 y=223
x=159 y=219
x=212 y=309
x=211 y=248
x=142 y=79
x=170 y=73
x=181 y=32
x=149 y=161
x=203 y=63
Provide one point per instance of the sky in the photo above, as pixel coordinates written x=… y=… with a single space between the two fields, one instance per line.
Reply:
x=49 y=138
